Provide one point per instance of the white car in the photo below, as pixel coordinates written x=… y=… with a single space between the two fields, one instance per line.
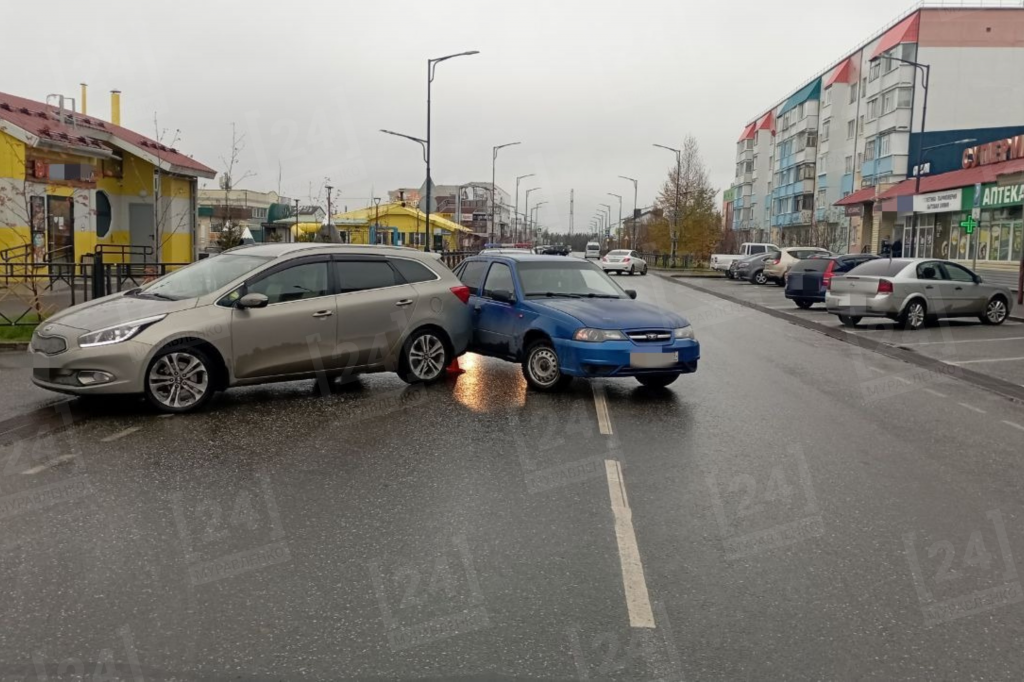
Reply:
x=624 y=261
x=593 y=250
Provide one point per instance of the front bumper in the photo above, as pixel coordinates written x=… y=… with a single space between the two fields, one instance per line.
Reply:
x=124 y=362
x=612 y=358
x=862 y=306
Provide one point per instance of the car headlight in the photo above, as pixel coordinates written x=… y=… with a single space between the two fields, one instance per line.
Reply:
x=117 y=333
x=684 y=332
x=598 y=335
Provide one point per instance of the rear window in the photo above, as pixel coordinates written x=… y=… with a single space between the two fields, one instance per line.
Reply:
x=473 y=274
x=882 y=267
x=412 y=271
x=812 y=265
x=807 y=253
x=758 y=248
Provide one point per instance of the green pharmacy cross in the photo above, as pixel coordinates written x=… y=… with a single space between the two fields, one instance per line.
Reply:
x=969 y=225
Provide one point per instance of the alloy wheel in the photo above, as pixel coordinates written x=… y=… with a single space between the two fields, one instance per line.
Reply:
x=915 y=315
x=178 y=380
x=760 y=277
x=426 y=357
x=996 y=311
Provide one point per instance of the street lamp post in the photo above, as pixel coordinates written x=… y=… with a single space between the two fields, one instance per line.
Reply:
x=515 y=213
x=526 y=210
x=536 y=212
x=426 y=158
x=494 y=163
x=679 y=172
x=431 y=66
x=608 y=222
x=296 y=219
x=376 y=218
x=619 y=197
x=633 y=180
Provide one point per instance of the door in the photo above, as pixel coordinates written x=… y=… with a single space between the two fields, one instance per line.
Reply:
x=936 y=288
x=495 y=321
x=471 y=273
x=968 y=297
x=141 y=232
x=375 y=310
x=60 y=232
x=296 y=332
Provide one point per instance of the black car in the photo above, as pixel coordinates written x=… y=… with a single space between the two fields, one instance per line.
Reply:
x=751 y=268
x=808 y=279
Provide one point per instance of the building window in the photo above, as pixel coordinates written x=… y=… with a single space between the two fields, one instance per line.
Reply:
x=904 y=97
x=821 y=197
x=824 y=130
x=828 y=96
x=853 y=93
x=884 y=146
x=851 y=127
x=876 y=68
x=812 y=138
x=869 y=150
x=849 y=164
x=806 y=202
x=860 y=125
x=807 y=172
x=103 y=214
x=800 y=111
x=873 y=108
x=888 y=101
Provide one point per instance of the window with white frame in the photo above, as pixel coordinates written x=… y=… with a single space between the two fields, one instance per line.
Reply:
x=888 y=101
x=800 y=111
x=851 y=128
x=824 y=130
x=849 y=165
x=860 y=125
x=874 y=70
x=827 y=97
x=853 y=92
x=821 y=197
x=869 y=150
x=884 y=145
x=904 y=97
x=812 y=138
x=872 y=109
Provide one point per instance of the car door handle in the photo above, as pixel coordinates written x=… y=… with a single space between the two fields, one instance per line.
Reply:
x=929 y=287
x=476 y=308
x=404 y=302
x=959 y=288
x=323 y=313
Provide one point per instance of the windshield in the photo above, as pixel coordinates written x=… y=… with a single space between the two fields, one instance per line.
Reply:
x=567 y=280
x=203 y=277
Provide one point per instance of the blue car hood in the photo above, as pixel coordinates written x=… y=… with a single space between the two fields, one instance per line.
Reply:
x=615 y=313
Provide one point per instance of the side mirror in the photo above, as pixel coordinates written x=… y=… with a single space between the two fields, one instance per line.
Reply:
x=253 y=301
x=978 y=279
x=631 y=293
x=503 y=295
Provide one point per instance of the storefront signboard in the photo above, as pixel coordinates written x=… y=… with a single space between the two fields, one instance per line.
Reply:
x=994 y=196
x=939 y=202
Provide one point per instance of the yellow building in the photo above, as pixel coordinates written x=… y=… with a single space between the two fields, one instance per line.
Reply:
x=400 y=225
x=70 y=183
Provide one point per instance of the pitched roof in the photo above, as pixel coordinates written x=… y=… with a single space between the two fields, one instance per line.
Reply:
x=88 y=134
x=842 y=73
x=810 y=91
x=904 y=32
x=748 y=133
x=367 y=215
x=859 y=197
x=767 y=122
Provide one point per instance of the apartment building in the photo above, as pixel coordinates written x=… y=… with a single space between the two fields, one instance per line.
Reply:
x=855 y=127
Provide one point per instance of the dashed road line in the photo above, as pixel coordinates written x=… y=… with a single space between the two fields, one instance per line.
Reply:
x=876 y=369
x=604 y=421
x=121 y=434
x=935 y=393
x=951 y=341
x=905 y=381
x=972 y=407
x=1014 y=425
x=48 y=465
x=638 y=601
x=971 y=362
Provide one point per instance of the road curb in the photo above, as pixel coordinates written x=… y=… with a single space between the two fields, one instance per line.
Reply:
x=13 y=345
x=1000 y=387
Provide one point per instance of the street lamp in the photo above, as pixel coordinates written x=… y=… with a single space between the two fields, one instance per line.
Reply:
x=679 y=172
x=494 y=163
x=526 y=210
x=536 y=212
x=431 y=65
x=376 y=218
x=619 y=197
x=633 y=180
x=516 y=211
x=608 y=224
x=426 y=158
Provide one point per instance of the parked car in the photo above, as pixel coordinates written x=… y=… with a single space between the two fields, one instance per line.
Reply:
x=259 y=314
x=775 y=270
x=912 y=291
x=562 y=318
x=624 y=261
x=593 y=250
x=722 y=261
x=751 y=268
x=808 y=280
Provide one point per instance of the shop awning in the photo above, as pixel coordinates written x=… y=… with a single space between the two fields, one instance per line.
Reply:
x=904 y=32
x=861 y=196
x=966 y=177
x=808 y=92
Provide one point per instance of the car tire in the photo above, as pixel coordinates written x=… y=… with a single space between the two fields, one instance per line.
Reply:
x=913 y=316
x=780 y=282
x=803 y=303
x=425 y=356
x=849 y=320
x=632 y=270
x=759 y=278
x=542 y=368
x=996 y=311
x=728 y=275
x=644 y=271
x=656 y=380
x=176 y=369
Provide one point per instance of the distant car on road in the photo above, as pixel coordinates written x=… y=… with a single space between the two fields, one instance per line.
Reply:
x=912 y=291
x=593 y=250
x=503 y=250
x=751 y=268
x=808 y=280
x=259 y=314
x=775 y=270
x=563 y=317
x=722 y=261
x=624 y=261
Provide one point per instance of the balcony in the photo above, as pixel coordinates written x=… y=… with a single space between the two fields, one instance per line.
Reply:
x=897 y=119
x=745 y=155
x=903 y=75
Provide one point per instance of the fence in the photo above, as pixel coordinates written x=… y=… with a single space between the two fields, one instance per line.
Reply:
x=453 y=258
x=665 y=260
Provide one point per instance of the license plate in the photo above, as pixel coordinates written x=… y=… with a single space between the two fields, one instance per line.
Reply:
x=652 y=360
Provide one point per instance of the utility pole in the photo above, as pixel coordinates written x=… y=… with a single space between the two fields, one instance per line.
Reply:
x=296 y=219
x=572 y=199
x=329 y=188
x=619 y=197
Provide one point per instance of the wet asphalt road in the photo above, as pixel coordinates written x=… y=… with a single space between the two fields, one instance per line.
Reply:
x=802 y=509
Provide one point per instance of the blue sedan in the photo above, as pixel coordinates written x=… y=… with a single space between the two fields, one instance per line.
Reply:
x=563 y=318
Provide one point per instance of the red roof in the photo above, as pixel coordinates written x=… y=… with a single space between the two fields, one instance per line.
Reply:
x=748 y=133
x=767 y=122
x=904 y=32
x=41 y=120
x=935 y=183
x=842 y=73
x=859 y=197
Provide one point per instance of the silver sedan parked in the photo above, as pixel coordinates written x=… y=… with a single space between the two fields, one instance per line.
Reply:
x=258 y=314
x=912 y=291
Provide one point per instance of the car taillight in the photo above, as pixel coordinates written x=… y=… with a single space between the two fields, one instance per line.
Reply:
x=626 y=259
x=884 y=286
x=827 y=277
x=604 y=259
x=462 y=293
x=776 y=261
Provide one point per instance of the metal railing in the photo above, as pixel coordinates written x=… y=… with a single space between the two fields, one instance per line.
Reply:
x=453 y=258
x=665 y=260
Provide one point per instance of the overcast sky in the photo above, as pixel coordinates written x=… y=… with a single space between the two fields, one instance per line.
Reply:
x=587 y=87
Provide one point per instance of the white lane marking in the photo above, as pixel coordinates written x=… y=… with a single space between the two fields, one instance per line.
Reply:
x=875 y=369
x=972 y=407
x=48 y=465
x=120 y=434
x=604 y=422
x=1014 y=425
x=906 y=381
x=934 y=392
x=638 y=602
x=942 y=343
x=971 y=362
